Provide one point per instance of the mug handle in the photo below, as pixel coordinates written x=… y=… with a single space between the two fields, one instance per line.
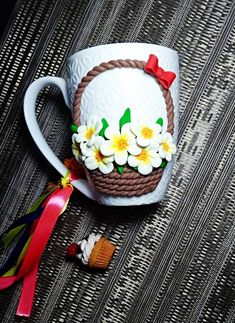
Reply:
x=31 y=121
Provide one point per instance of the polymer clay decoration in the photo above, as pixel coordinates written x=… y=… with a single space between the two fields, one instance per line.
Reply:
x=96 y=251
x=129 y=159
x=124 y=161
x=141 y=146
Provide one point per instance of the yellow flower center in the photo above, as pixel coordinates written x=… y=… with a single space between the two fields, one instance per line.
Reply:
x=89 y=133
x=121 y=143
x=166 y=146
x=147 y=133
x=143 y=156
x=98 y=156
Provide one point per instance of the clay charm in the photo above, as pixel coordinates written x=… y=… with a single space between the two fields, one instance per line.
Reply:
x=95 y=251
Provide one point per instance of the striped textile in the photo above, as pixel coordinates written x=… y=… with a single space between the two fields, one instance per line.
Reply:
x=175 y=261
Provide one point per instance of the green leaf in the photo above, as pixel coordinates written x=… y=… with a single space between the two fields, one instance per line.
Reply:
x=163 y=164
x=160 y=121
x=120 y=169
x=105 y=126
x=135 y=168
x=126 y=118
x=73 y=128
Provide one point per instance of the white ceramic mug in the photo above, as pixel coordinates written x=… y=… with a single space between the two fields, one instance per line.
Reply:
x=108 y=95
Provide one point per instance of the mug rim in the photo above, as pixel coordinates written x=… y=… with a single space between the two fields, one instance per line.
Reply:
x=90 y=49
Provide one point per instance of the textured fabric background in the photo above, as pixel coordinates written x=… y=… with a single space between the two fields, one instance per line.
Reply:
x=175 y=261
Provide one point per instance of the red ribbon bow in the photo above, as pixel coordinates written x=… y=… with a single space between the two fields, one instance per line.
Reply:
x=165 y=78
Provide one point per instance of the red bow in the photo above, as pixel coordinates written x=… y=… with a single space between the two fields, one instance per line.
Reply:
x=165 y=78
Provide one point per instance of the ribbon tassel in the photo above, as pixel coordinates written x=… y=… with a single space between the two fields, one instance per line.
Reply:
x=36 y=229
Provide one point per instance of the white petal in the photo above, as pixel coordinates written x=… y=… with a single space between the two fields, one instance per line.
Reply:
x=106 y=168
x=152 y=154
x=98 y=142
x=91 y=163
x=126 y=129
x=98 y=126
x=162 y=153
x=134 y=149
x=157 y=128
x=153 y=146
x=76 y=151
x=74 y=136
x=145 y=169
x=92 y=121
x=121 y=157
x=82 y=128
x=80 y=138
x=110 y=132
x=87 y=151
x=142 y=141
x=158 y=138
x=83 y=244
x=167 y=136
x=85 y=258
x=91 y=141
x=106 y=148
x=133 y=161
x=156 y=162
x=108 y=160
x=135 y=128
x=168 y=157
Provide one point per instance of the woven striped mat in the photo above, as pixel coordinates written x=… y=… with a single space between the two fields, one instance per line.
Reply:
x=175 y=260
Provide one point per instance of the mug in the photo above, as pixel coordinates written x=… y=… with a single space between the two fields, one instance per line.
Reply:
x=110 y=82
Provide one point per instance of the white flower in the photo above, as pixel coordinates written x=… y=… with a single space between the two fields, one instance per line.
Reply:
x=76 y=151
x=146 y=160
x=94 y=158
x=88 y=133
x=146 y=133
x=76 y=148
x=119 y=144
x=167 y=147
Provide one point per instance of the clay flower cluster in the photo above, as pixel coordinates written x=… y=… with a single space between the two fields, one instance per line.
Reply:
x=140 y=145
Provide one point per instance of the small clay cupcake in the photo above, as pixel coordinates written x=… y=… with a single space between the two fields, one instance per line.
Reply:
x=96 y=251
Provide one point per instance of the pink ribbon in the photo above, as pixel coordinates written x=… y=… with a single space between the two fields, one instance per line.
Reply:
x=53 y=207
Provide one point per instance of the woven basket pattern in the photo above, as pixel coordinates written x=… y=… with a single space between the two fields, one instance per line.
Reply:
x=130 y=183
